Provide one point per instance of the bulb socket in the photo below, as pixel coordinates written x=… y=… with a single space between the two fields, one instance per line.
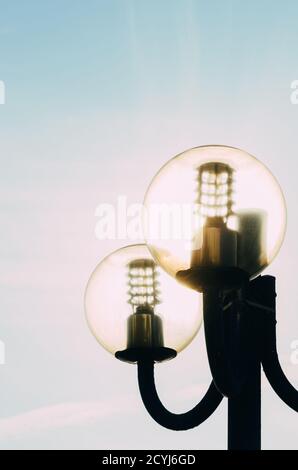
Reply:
x=144 y=330
x=219 y=247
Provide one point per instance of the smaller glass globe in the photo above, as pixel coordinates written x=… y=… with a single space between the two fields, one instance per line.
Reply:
x=214 y=206
x=131 y=303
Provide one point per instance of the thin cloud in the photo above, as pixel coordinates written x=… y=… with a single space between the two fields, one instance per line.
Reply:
x=62 y=415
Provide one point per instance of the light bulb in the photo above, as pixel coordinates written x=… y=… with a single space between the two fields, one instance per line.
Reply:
x=144 y=327
x=214 y=244
x=143 y=284
x=214 y=206
x=131 y=304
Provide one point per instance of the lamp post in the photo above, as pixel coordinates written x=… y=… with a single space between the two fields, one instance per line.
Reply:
x=237 y=227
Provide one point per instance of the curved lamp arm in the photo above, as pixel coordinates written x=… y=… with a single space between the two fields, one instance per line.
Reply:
x=175 y=422
x=272 y=368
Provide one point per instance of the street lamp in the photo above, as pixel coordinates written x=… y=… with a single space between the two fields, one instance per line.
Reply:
x=237 y=215
x=232 y=214
x=133 y=307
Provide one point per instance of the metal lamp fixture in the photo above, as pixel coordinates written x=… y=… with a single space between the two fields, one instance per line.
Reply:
x=234 y=229
x=134 y=308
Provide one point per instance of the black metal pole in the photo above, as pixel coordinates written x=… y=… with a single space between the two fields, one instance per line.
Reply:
x=244 y=414
x=249 y=337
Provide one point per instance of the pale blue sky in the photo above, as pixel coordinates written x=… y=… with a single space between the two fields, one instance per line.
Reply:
x=99 y=95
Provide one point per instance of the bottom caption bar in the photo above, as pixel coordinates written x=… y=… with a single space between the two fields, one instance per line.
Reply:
x=149 y=458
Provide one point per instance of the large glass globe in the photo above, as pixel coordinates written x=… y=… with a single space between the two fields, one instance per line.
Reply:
x=214 y=207
x=132 y=305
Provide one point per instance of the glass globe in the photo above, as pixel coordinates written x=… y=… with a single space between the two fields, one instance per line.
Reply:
x=132 y=305
x=214 y=206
